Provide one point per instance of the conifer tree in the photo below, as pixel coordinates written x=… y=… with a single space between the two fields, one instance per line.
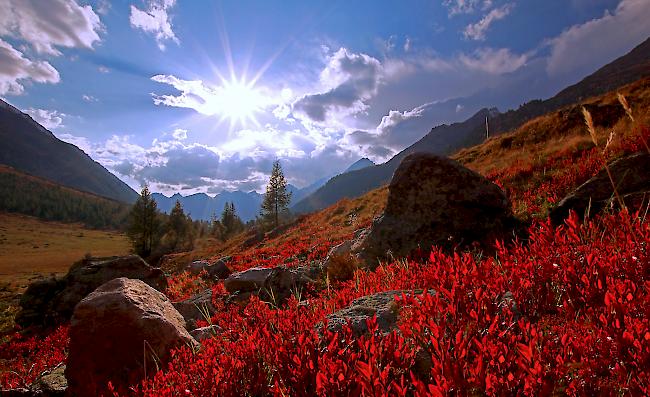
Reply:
x=144 y=223
x=179 y=225
x=230 y=222
x=277 y=198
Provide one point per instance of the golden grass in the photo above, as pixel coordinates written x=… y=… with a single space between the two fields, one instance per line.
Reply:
x=30 y=247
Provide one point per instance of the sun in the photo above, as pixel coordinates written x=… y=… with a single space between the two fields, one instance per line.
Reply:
x=238 y=101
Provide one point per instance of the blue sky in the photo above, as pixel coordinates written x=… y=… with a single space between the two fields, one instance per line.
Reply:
x=202 y=96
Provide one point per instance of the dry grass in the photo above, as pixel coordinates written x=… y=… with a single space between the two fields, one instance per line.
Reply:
x=31 y=248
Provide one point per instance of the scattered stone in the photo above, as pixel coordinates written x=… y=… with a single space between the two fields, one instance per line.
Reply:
x=251 y=280
x=52 y=384
x=203 y=333
x=196 y=308
x=381 y=304
x=121 y=332
x=631 y=174
x=273 y=285
x=433 y=200
x=50 y=302
x=218 y=270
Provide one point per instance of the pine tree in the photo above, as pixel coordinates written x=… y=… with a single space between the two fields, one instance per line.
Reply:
x=230 y=222
x=179 y=225
x=277 y=198
x=144 y=223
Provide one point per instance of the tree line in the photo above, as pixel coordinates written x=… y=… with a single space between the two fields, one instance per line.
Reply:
x=30 y=196
x=154 y=234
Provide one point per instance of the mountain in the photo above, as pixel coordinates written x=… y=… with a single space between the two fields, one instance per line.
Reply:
x=33 y=196
x=359 y=165
x=447 y=139
x=30 y=148
x=200 y=206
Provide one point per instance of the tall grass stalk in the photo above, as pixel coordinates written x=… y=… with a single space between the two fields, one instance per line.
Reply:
x=589 y=121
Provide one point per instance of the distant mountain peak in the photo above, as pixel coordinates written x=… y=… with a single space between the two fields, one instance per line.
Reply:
x=360 y=164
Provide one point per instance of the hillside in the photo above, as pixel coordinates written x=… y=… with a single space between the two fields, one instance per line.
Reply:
x=41 y=198
x=448 y=139
x=30 y=148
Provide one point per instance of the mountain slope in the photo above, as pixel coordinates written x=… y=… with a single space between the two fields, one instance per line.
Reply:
x=29 y=147
x=41 y=198
x=448 y=139
x=359 y=165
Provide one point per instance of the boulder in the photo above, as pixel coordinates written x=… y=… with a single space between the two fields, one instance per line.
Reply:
x=217 y=270
x=50 y=302
x=121 y=332
x=631 y=174
x=381 y=304
x=251 y=280
x=433 y=200
x=273 y=285
x=196 y=308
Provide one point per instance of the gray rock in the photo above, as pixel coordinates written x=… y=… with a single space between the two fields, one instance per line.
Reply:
x=216 y=270
x=196 y=308
x=118 y=332
x=381 y=304
x=50 y=302
x=631 y=174
x=251 y=280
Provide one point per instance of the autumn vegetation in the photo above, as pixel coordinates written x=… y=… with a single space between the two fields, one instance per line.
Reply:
x=563 y=312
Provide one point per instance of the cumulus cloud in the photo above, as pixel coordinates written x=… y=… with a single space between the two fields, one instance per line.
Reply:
x=16 y=69
x=350 y=80
x=50 y=119
x=46 y=25
x=478 y=30
x=582 y=48
x=155 y=19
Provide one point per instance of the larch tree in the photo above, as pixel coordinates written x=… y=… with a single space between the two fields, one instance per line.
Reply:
x=277 y=198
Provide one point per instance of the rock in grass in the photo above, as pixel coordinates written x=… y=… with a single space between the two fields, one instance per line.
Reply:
x=120 y=332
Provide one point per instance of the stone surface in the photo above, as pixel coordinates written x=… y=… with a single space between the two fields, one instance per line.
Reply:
x=216 y=270
x=273 y=285
x=251 y=280
x=52 y=301
x=381 y=304
x=120 y=332
x=196 y=308
x=631 y=174
x=433 y=200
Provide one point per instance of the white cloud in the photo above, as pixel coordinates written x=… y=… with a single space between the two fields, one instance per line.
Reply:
x=89 y=98
x=582 y=48
x=16 y=69
x=50 y=119
x=349 y=79
x=46 y=25
x=179 y=134
x=455 y=7
x=494 y=61
x=155 y=19
x=103 y=69
x=478 y=30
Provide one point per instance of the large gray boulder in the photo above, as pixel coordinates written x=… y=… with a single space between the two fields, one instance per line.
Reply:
x=631 y=175
x=435 y=201
x=51 y=301
x=216 y=270
x=121 y=332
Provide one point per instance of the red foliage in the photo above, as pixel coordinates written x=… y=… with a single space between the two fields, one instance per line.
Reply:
x=23 y=359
